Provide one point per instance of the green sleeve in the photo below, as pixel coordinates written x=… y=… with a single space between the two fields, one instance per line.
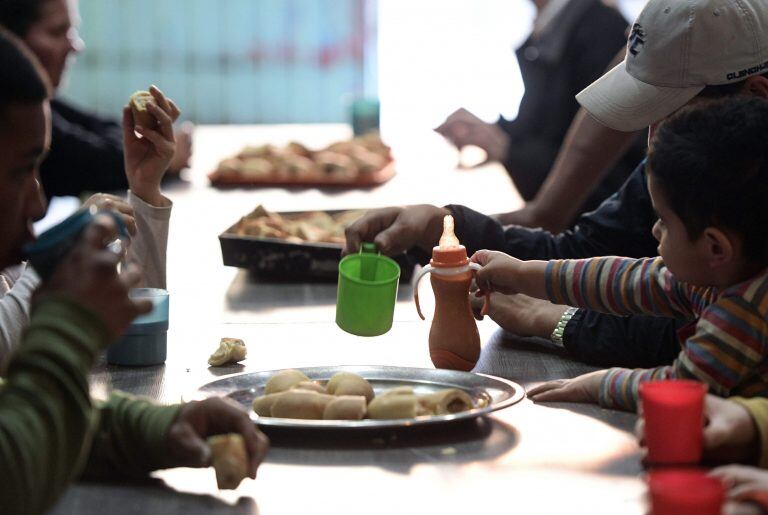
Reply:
x=131 y=438
x=758 y=410
x=46 y=414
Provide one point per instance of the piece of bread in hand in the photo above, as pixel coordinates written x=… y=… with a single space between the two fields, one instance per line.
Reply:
x=141 y=116
x=230 y=459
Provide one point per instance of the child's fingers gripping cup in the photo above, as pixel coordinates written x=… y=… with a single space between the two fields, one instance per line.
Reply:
x=673 y=411
x=685 y=492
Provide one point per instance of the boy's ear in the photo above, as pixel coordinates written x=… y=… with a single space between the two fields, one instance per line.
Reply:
x=719 y=247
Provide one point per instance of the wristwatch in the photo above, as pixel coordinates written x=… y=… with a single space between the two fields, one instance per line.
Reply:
x=557 y=334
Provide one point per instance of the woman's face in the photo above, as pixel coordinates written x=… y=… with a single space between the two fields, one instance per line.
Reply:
x=54 y=38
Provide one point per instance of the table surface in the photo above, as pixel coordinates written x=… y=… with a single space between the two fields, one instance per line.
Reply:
x=528 y=458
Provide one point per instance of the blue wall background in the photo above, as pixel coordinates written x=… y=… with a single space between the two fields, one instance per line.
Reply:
x=229 y=61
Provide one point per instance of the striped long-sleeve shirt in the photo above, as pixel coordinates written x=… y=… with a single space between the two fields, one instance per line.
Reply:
x=728 y=350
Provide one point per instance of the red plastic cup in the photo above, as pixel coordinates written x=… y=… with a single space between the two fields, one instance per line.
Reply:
x=685 y=492
x=674 y=421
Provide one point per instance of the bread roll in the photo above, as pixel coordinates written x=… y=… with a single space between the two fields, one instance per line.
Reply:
x=284 y=380
x=347 y=383
x=336 y=165
x=301 y=404
x=296 y=148
x=310 y=386
x=399 y=390
x=446 y=402
x=345 y=407
x=230 y=459
x=141 y=116
x=395 y=406
x=231 y=350
x=263 y=405
x=255 y=168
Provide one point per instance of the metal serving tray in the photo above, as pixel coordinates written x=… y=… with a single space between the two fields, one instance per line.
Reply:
x=489 y=393
x=277 y=259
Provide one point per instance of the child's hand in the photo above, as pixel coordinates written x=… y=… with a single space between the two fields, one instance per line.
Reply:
x=500 y=272
x=198 y=420
x=741 y=508
x=730 y=435
x=105 y=201
x=88 y=275
x=744 y=483
x=585 y=388
x=147 y=158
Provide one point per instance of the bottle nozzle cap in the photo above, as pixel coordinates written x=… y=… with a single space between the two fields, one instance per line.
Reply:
x=448 y=239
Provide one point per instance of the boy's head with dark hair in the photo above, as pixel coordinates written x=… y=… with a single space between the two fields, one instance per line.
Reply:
x=48 y=28
x=19 y=15
x=24 y=138
x=22 y=80
x=708 y=176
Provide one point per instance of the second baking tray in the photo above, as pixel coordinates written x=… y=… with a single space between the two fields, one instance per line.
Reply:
x=280 y=260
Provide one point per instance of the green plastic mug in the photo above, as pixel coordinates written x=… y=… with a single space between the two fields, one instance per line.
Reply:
x=365 y=299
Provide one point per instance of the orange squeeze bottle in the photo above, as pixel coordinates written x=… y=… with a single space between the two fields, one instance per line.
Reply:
x=454 y=341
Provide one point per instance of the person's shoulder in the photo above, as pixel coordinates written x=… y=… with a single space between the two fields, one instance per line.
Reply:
x=600 y=8
x=65 y=109
x=753 y=291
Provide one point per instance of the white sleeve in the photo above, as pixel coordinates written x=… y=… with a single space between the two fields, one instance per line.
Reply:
x=148 y=248
x=14 y=306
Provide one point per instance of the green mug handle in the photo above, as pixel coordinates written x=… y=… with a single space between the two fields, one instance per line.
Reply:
x=368 y=266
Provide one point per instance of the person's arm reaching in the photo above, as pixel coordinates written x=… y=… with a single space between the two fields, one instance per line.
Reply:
x=148 y=249
x=146 y=160
x=644 y=286
x=712 y=355
x=620 y=226
x=589 y=150
x=136 y=436
x=620 y=286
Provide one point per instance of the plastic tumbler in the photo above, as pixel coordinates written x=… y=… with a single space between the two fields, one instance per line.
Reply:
x=367 y=291
x=145 y=342
x=674 y=421
x=365 y=115
x=685 y=492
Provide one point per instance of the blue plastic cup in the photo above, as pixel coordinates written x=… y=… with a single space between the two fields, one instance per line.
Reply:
x=49 y=248
x=146 y=340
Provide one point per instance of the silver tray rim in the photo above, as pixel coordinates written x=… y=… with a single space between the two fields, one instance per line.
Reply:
x=416 y=376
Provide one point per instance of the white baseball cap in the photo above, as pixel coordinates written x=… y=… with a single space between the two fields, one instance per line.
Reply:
x=674 y=50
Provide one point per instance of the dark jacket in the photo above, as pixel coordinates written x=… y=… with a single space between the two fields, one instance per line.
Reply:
x=620 y=226
x=569 y=55
x=86 y=154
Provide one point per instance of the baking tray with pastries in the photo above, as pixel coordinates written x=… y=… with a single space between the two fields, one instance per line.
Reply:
x=359 y=162
x=293 y=246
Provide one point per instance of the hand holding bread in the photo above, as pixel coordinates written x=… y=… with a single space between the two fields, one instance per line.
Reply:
x=235 y=455
x=149 y=143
